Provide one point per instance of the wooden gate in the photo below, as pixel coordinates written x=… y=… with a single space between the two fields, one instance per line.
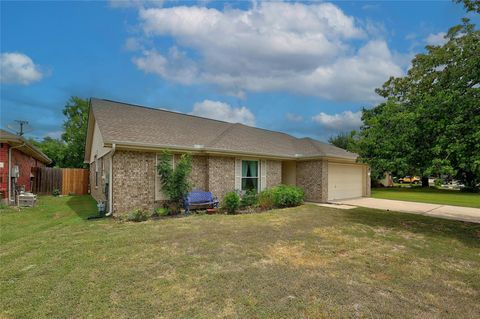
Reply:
x=74 y=181
x=69 y=181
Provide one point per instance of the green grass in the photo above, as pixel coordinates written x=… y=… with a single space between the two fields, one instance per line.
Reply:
x=429 y=195
x=304 y=262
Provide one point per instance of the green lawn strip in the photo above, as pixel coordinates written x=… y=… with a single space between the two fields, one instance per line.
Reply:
x=429 y=195
x=307 y=261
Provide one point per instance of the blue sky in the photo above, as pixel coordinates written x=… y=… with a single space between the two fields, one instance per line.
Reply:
x=305 y=68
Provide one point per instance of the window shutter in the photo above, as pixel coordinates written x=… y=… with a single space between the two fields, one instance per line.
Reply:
x=238 y=174
x=263 y=176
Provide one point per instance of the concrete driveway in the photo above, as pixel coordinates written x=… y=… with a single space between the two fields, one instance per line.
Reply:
x=467 y=214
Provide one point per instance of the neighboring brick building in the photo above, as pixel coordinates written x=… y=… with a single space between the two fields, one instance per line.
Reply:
x=124 y=142
x=17 y=157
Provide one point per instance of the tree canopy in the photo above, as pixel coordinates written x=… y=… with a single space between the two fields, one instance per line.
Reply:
x=347 y=141
x=430 y=120
x=75 y=125
x=69 y=150
x=53 y=148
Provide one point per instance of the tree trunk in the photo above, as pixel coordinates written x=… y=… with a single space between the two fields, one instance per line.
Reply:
x=470 y=182
x=425 y=181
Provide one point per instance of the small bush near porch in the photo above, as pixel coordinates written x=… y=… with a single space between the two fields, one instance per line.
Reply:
x=302 y=262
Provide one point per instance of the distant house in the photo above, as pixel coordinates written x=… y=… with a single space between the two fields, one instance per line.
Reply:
x=17 y=157
x=124 y=143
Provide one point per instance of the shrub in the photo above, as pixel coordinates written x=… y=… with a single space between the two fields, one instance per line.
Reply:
x=281 y=196
x=250 y=198
x=175 y=182
x=160 y=211
x=287 y=196
x=3 y=205
x=137 y=215
x=231 y=202
x=56 y=192
x=266 y=200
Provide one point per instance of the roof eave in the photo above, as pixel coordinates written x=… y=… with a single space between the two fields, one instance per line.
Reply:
x=34 y=152
x=215 y=151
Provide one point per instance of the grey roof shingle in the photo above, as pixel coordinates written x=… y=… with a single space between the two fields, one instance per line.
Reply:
x=23 y=145
x=131 y=124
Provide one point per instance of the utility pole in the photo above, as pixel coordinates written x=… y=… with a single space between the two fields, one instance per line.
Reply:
x=21 y=123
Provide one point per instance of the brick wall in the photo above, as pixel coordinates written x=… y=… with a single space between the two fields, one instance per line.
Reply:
x=221 y=173
x=23 y=161
x=4 y=171
x=133 y=181
x=199 y=174
x=134 y=178
x=274 y=173
x=312 y=177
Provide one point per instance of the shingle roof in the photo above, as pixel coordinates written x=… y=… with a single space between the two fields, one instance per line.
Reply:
x=123 y=123
x=24 y=146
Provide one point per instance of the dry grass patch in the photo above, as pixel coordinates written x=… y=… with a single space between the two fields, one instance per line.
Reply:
x=304 y=262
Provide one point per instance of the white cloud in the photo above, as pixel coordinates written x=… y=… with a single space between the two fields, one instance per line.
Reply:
x=339 y=122
x=18 y=68
x=294 y=117
x=224 y=112
x=301 y=48
x=133 y=44
x=436 y=38
x=175 y=66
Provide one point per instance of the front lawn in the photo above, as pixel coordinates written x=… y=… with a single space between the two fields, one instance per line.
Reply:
x=304 y=262
x=429 y=195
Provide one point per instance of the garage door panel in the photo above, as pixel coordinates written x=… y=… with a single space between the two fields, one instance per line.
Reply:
x=345 y=181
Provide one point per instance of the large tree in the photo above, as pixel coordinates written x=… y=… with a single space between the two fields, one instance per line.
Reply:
x=347 y=141
x=430 y=121
x=75 y=125
x=53 y=148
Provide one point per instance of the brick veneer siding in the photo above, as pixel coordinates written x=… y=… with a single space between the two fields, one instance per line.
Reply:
x=23 y=161
x=221 y=175
x=199 y=174
x=133 y=181
x=4 y=171
x=274 y=173
x=312 y=176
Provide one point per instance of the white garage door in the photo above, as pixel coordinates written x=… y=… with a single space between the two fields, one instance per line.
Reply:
x=344 y=181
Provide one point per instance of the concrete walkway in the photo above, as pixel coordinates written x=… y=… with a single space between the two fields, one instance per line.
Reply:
x=467 y=214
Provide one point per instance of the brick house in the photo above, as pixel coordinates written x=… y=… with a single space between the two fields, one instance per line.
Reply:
x=17 y=157
x=124 y=143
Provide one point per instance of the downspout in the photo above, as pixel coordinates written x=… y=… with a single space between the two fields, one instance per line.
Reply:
x=110 y=183
x=10 y=171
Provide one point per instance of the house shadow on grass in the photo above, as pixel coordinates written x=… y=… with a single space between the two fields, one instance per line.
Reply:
x=83 y=205
x=466 y=232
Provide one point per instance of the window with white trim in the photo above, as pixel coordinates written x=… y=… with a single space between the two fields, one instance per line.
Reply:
x=250 y=170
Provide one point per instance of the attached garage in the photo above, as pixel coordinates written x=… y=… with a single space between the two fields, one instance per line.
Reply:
x=346 y=181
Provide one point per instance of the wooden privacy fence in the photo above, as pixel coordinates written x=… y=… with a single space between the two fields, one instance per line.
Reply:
x=69 y=181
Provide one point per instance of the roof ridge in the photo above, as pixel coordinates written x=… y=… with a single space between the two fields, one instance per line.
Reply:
x=191 y=115
x=310 y=140
x=222 y=134
x=165 y=110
